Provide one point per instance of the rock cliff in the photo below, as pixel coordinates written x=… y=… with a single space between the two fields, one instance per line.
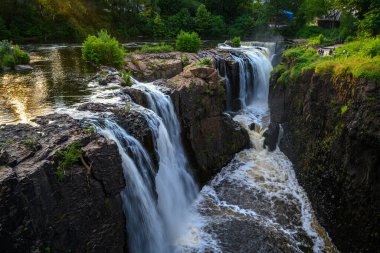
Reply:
x=45 y=209
x=332 y=135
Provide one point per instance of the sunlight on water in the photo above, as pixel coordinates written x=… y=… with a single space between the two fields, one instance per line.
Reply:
x=58 y=79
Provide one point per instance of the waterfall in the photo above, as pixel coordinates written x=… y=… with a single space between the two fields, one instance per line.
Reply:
x=175 y=186
x=254 y=74
x=144 y=225
x=154 y=225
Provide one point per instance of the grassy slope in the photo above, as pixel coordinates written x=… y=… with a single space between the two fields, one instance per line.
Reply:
x=361 y=60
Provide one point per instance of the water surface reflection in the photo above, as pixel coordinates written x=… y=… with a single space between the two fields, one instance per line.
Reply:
x=59 y=79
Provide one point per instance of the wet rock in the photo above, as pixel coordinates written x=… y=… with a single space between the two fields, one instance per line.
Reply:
x=78 y=212
x=271 y=136
x=23 y=68
x=150 y=67
x=137 y=96
x=108 y=75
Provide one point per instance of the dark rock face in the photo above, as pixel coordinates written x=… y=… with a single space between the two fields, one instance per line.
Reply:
x=212 y=138
x=332 y=135
x=82 y=212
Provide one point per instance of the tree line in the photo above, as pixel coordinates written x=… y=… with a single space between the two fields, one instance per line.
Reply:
x=49 y=20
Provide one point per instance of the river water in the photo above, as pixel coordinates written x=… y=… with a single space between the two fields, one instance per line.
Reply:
x=59 y=79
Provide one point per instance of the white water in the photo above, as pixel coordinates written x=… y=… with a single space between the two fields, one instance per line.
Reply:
x=176 y=188
x=256 y=204
x=144 y=224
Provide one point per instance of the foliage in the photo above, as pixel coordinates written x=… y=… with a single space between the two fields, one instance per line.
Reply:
x=236 y=42
x=161 y=48
x=31 y=143
x=11 y=55
x=360 y=58
x=127 y=78
x=370 y=25
x=67 y=159
x=188 y=42
x=320 y=40
x=205 y=62
x=103 y=49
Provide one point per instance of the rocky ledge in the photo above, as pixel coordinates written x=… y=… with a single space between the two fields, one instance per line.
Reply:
x=51 y=202
x=150 y=67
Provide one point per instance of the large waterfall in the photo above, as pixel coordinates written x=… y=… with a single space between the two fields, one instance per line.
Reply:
x=154 y=225
x=254 y=204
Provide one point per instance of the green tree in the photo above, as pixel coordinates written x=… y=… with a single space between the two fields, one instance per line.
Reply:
x=203 y=19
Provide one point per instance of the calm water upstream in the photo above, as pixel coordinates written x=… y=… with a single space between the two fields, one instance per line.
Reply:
x=59 y=79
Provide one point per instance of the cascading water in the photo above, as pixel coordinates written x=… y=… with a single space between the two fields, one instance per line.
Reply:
x=256 y=204
x=157 y=205
x=175 y=186
x=144 y=225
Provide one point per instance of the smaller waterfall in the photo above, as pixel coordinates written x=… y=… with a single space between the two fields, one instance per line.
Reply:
x=144 y=224
x=254 y=74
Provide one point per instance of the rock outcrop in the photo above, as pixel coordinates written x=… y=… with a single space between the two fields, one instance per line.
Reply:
x=45 y=209
x=212 y=137
x=150 y=67
x=332 y=135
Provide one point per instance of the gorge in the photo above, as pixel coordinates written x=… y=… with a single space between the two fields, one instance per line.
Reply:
x=195 y=162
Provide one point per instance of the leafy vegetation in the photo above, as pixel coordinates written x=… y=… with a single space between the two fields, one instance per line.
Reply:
x=188 y=42
x=360 y=58
x=11 y=55
x=67 y=159
x=205 y=62
x=236 y=42
x=127 y=78
x=103 y=49
x=52 y=20
x=161 y=48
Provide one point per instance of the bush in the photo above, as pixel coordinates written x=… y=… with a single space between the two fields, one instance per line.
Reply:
x=21 y=57
x=162 y=48
x=205 y=62
x=319 y=40
x=126 y=76
x=236 y=42
x=188 y=42
x=12 y=55
x=103 y=49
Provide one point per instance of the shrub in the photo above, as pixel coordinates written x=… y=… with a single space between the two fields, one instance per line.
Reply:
x=126 y=76
x=67 y=158
x=188 y=42
x=205 y=62
x=103 y=49
x=162 y=48
x=11 y=55
x=236 y=42
x=21 y=57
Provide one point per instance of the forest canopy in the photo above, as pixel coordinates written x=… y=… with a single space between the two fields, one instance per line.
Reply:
x=73 y=20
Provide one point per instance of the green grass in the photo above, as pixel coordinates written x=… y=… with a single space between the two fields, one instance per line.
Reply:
x=162 y=48
x=359 y=58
